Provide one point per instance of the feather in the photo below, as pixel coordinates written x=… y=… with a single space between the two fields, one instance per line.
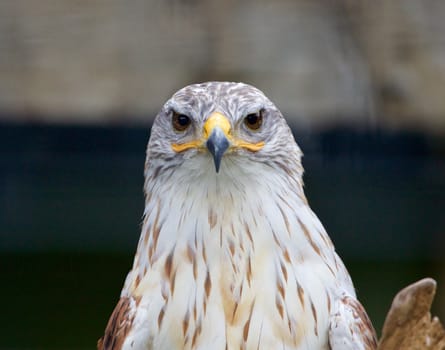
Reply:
x=118 y=326
x=350 y=327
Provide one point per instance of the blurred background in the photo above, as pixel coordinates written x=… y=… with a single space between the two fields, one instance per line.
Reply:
x=362 y=83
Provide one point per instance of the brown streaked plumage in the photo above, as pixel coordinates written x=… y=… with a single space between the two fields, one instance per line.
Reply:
x=231 y=255
x=118 y=325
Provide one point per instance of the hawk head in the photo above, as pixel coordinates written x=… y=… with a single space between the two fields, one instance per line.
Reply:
x=218 y=124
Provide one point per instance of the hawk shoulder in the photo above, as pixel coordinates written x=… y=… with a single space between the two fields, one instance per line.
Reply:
x=350 y=327
x=118 y=326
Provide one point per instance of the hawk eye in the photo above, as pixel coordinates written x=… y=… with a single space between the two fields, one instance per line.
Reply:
x=254 y=120
x=180 y=122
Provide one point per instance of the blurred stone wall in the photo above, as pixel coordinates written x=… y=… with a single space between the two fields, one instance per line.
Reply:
x=358 y=62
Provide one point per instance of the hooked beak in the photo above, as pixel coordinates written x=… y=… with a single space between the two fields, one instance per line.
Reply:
x=216 y=131
x=217 y=145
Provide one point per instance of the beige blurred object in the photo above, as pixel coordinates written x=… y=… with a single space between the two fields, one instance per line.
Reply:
x=403 y=45
x=409 y=325
x=351 y=62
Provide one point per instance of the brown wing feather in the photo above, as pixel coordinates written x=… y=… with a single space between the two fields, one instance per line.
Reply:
x=351 y=327
x=118 y=326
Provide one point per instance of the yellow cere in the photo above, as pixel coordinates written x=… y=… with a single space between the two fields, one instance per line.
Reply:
x=217 y=119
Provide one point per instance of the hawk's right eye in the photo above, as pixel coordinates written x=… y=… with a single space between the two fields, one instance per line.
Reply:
x=180 y=122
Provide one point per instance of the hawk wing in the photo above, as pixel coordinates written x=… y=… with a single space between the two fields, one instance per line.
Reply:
x=118 y=326
x=350 y=327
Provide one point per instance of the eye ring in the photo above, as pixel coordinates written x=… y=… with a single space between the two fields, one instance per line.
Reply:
x=180 y=122
x=254 y=121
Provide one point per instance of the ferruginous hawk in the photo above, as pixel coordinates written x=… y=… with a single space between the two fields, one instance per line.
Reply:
x=231 y=256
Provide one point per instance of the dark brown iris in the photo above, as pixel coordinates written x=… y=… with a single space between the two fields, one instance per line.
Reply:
x=254 y=120
x=180 y=121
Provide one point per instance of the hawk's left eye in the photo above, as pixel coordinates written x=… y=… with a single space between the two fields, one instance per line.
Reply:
x=180 y=121
x=254 y=120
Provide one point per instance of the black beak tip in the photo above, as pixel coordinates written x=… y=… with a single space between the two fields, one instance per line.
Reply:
x=217 y=165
